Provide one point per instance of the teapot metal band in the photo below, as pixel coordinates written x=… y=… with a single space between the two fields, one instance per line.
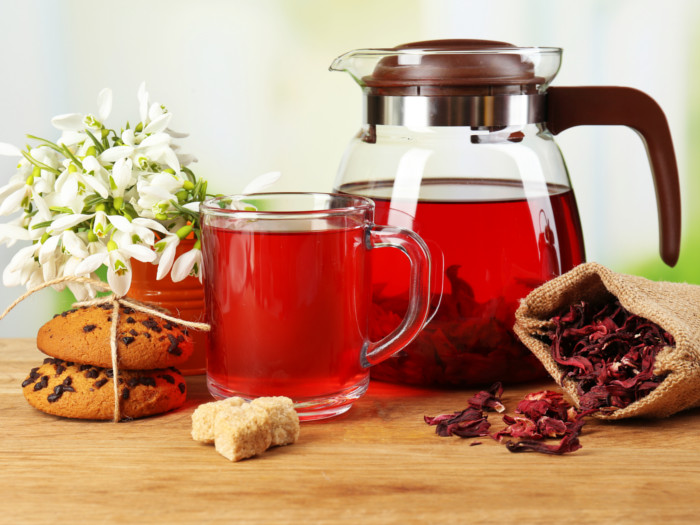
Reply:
x=471 y=111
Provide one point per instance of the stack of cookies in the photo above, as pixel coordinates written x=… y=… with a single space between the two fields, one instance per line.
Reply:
x=77 y=380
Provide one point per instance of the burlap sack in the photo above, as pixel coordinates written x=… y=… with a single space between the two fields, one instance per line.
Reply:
x=673 y=306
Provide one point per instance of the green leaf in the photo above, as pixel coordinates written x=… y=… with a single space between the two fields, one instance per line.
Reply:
x=129 y=209
x=98 y=144
x=93 y=200
x=72 y=157
x=60 y=209
x=44 y=224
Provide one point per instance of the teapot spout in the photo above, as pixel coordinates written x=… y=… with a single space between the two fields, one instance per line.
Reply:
x=360 y=63
x=340 y=63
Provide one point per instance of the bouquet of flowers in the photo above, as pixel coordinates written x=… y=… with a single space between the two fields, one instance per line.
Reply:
x=98 y=196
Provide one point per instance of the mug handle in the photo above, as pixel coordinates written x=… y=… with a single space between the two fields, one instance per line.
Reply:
x=418 y=294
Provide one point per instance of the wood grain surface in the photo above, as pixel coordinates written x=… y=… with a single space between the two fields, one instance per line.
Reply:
x=378 y=463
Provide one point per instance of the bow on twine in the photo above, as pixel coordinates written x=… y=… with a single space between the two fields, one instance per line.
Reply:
x=116 y=301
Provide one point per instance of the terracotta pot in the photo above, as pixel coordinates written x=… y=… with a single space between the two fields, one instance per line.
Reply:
x=184 y=299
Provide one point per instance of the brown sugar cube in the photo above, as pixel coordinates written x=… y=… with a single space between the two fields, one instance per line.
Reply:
x=203 y=418
x=284 y=420
x=242 y=432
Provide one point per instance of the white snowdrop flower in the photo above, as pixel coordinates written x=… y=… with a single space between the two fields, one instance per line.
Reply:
x=98 y=196
x=166 y=249
x=21 y=267
x=63 y=222
x=261 y=182
x=13 y=195
x=189 y=263
x=12 y=232
x=8 y=150
x=116 y=255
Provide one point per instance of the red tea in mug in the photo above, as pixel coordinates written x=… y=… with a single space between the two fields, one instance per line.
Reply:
x=287 y=281
x=293 y=323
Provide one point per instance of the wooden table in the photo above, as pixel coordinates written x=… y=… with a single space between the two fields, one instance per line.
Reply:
x=378 y=463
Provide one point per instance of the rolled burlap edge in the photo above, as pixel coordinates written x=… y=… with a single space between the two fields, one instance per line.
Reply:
x=673 y=306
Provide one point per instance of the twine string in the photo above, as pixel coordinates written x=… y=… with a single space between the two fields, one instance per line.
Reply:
x=116 y=301
x=115 y=357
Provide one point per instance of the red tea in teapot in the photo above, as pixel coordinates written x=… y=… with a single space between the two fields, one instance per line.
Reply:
x=499 y=240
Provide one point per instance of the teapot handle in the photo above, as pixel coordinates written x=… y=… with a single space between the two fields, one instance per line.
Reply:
x=611 y=105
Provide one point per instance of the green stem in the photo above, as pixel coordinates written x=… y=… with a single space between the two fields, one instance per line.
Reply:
x=46 y=143
x=39 y=164
x=190 y=174
x=184 y=210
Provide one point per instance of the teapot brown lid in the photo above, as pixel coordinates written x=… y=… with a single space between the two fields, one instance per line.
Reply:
x=452 y=67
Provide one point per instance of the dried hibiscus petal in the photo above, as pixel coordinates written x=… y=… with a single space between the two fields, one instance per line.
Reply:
x=609 y=352
x=551 y=427
x=488 y=399
x=545 y=403
x=518 y=427
x=542 y=415
x=569 y=442
x=469 y=422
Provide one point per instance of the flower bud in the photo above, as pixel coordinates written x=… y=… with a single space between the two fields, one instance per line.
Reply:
x=184 y=231
x=36 y=172
x=118 y=203
x=161 y=216
x=188 y=185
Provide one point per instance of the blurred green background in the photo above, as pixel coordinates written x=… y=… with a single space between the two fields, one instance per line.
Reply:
x=688 y=267
x=249 y=81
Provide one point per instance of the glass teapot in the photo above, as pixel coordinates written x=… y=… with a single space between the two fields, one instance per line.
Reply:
x=457 y=144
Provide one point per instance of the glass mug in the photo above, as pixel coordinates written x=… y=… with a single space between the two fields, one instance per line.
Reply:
x=287 y=281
